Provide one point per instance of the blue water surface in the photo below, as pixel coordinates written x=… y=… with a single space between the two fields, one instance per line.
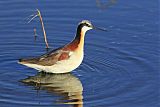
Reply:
x=120 y=67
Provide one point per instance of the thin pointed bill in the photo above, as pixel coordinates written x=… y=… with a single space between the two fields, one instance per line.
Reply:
x=100 y=28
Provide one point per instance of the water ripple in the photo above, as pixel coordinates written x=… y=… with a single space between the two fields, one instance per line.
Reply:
x=119 y=68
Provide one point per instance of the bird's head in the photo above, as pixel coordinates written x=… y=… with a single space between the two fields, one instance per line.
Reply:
x=86 y=25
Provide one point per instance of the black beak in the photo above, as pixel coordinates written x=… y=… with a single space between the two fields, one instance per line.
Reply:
x=100 y=28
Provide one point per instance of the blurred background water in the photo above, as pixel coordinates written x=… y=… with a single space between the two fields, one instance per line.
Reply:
x=120 y=67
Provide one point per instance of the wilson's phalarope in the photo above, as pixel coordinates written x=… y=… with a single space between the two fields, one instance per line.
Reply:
x=64 y=59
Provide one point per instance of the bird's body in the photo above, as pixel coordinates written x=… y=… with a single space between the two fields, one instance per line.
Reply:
x=64 y=59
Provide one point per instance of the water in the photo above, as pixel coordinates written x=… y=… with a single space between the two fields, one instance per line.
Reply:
x=120 y=67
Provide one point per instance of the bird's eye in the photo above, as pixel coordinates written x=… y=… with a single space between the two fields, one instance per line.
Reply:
x=88 y=25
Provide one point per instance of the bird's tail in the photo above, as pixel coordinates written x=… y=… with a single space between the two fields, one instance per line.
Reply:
x=28 y=61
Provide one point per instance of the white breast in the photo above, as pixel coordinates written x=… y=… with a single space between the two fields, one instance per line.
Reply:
x=63 y=66
x=66 y=65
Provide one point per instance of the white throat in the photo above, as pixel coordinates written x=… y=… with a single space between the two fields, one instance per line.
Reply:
x=85 y=29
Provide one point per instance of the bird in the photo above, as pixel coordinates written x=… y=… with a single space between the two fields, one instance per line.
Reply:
x=64 y=59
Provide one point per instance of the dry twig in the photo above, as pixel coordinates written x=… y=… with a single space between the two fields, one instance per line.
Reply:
x=42 y=24
x=44 y=32
x=35 y=34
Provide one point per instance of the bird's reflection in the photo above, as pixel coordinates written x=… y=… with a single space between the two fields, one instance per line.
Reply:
x=66 y=85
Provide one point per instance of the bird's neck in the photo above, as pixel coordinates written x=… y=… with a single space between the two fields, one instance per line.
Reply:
x=79 y=38
x=79 y=35
x=78 y=41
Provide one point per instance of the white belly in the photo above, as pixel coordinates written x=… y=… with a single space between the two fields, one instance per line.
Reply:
x=63 y=66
